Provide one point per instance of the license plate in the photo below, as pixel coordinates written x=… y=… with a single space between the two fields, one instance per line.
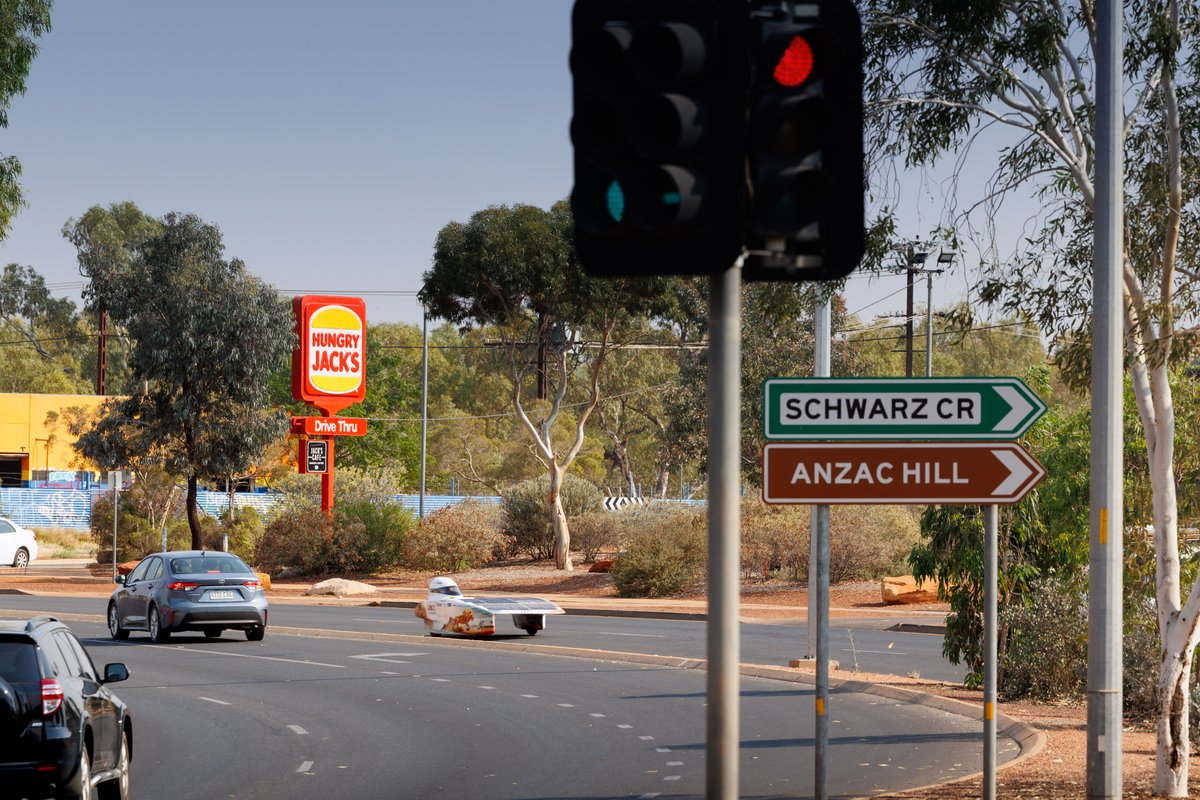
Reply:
x=222 y=594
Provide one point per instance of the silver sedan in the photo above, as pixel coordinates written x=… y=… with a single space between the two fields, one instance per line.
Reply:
x=189 y=590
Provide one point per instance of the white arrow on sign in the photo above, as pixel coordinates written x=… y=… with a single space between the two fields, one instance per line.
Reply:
x=1019 y=408
x=1018 y=473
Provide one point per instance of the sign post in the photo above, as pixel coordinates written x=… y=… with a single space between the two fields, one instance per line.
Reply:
x=114 y=477
x=836 y=427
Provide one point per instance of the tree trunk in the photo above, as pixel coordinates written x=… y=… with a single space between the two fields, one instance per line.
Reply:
x=1171 y=756
x=558 y=518
x=193 y=516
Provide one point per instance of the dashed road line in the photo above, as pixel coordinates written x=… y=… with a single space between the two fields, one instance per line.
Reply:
x=305 y=766
x=296 y=729
x=215 y=700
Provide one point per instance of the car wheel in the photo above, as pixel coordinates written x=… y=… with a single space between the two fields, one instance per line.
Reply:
x=531 y=631
x=21 y=559
x=212 y=633
x=256 y=633
x=80 y=787
x=114 y=623
x=158 y=634
x=118 y=787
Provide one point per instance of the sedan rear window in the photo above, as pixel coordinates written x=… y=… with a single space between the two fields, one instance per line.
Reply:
x=18 y=661
x=212 y=565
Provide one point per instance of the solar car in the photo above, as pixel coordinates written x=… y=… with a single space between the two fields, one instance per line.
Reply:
x=446 y=611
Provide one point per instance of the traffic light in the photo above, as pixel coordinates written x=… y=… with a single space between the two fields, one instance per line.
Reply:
x=659 y=127
x=805 y=145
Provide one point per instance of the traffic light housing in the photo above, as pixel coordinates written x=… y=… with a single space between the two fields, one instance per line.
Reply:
x=659 y=90
x=805 y=143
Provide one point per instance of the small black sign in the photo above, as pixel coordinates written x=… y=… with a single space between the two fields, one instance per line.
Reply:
x=316 y=455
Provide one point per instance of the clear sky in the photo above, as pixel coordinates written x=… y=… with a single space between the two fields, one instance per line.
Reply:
x=329 y=142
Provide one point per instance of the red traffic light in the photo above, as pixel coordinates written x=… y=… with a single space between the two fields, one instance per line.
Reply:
x=796 y=64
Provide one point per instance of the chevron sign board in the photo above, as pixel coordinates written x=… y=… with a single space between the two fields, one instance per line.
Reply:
x=618 y=503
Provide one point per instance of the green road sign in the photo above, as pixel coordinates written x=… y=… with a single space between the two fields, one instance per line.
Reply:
x=900 y=409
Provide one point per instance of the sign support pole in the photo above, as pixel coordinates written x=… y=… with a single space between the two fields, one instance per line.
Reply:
x=724 y=531
x=821 y=348
x=991 y=535
x=1105 y=578
x=820 y=791
x=115 y=477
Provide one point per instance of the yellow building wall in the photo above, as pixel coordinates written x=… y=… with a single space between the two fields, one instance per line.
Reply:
x=24 y=431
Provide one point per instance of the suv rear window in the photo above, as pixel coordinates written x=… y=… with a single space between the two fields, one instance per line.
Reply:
x=18 y=661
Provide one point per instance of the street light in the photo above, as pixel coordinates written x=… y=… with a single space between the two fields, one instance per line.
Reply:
x=944 y=260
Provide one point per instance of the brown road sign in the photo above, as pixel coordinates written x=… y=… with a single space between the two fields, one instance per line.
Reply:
x=966 y=473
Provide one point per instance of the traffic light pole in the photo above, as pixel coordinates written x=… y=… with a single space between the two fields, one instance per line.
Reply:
x=724 y=534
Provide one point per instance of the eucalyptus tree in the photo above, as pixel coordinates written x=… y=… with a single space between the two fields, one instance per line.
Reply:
x=206 y=337
x=514 y=270
x=1012 y=83
x=21 y=23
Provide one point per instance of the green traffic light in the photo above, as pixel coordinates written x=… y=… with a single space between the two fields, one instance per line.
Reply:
x=615 y=201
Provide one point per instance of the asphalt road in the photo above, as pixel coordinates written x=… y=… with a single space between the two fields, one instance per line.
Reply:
x=865 y=645
x=407 y=717
x=308 y=717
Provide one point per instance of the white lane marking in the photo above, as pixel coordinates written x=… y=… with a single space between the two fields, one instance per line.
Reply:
x=877 y=652
x=440 y=680
x=674 y=763
x=662 y=749
x=485 y=687
x=672 y=777
x=296 y=729
x=640 y=635
x=391 y=658
x=625 y=727
x=189 y=651
x=304 y=767
x=565 y=705
x=530 y=696
x=598 y=716
x=215 y=700
x=646 y=738
x=385 y=672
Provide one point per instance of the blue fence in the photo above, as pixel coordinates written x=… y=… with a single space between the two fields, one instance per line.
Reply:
x=72 y=508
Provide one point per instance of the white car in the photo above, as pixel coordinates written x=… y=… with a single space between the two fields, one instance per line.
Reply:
x=447 y=612
x=18 y=546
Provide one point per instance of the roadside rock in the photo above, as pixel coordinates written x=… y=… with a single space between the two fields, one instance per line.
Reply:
x=340 y=587
x=903 y=589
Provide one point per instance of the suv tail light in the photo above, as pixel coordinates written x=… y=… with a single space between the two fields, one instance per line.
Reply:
x=52 y=696
x=181 y=586
x=253 y=586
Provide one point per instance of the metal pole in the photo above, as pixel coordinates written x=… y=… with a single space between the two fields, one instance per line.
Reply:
x=929 y=325
x=908 y=317
x=116 y=505
x=991 y=535
x=821 y=348
x=724 y=530
x=820 y=792
x=424 y=404
x=1105 y=580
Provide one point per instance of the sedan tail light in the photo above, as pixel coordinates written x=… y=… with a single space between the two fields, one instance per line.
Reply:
x=253 y=586
x=52 y=696
x=181 y=586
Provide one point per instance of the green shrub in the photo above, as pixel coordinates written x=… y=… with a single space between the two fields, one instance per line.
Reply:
x=244 y=531
x=596 y=533
x=455 y=538
x=385 y=525
x=774 y=540
x=527 y=519
x=310 y=542
x=665 y=552
x=1046 y=654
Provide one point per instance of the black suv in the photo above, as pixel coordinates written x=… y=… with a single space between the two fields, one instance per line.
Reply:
x=62 y=732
